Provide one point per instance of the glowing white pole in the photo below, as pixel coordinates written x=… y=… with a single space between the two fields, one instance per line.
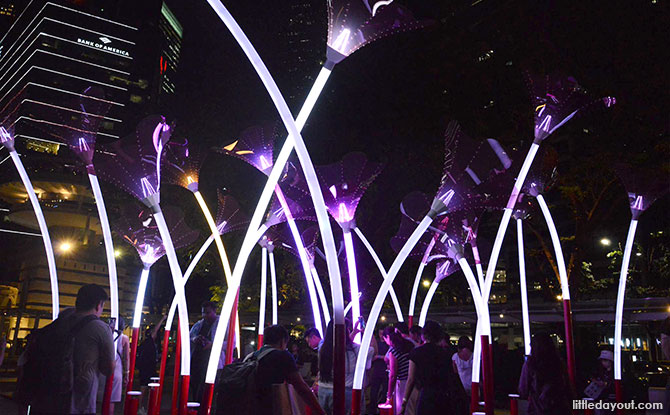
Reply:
x=478 y=265
x=264 y=288
x=353 y=278
x=417 y=278
x=187 y=274
x=273 y=279
x=381 y=295
x=109 y=248
x=294 y=139
x=621 y=295
x=524 y=290
x=507 y=214
x=139 y=300
x=382 y=271
x=560 y=261
x=322 y=295
x=177 y=281
x=427 y=301
x=48 y=248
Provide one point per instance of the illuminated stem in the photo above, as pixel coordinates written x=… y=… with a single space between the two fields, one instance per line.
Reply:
x=273 y=279
x=427 y=301
x=48 y=248
x=322 y=295
x=555 y=240
x=177 y=282
x=304 y=261
x=621 y=295
x=507 y=214
x=417 y=278
x=478 y=266
x=187 y=274
x=353 y=279
x=109 y=249
x=294 y=139
x=381 y=297
x=382 y=271
x=524 y=290
x=139 y=300
x=264 y=288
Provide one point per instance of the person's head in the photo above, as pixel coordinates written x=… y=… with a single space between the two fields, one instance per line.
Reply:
x=91 y=298
x=276 y=336
x=209 y=312
x=415 y=333
x=443 y=343
x=464 y=342
x=402 y=328
x=544 y=360
x=606 y=359
x=121 y=324
x=432 y=332
x=313 y=338
x=294 y=348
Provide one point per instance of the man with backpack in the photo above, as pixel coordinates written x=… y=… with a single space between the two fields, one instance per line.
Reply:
x=63 y=359
x=245 y=387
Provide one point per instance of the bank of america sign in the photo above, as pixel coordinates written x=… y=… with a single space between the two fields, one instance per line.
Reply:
x=104 y=44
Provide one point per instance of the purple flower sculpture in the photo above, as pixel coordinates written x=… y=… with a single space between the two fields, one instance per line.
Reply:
x=353 y=24
x=182 y=162
x=254 y=146
x=644 y=187
x=556 y=100
x=229 y=217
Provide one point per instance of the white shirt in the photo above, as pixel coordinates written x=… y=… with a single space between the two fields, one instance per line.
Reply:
x=464 y=370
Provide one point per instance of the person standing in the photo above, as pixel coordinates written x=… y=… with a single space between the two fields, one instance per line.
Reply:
x=202 y=335
x=543 y=379
x=462 y=362
x=398 y=369
x=121 y=366
x=430 y=372
x=147 y=354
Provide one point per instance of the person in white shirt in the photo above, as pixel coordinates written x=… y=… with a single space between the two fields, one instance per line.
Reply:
x=462 y=362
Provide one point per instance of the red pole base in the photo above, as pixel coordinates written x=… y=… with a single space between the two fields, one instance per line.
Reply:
x=153 y=408
x=107 y=397
x=339 y=334
x=589 y=410
x=134 y=340
x=161 y=373
x=175 y=379
x=513 y=404
x=618 y=390
x=207 y=395
x=183 y=399
x=569 y=344
x=385 y=409
x=488 y=379
x=192 y=408
x=132 y=402
x=410 y=321
x=474 y=397
x=260 y=341
x=356 y=402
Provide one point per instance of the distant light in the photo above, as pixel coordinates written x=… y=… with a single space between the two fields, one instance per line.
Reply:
x=426 y=283
x=559 y=297
x=117 y=253
x=638 y=254
x=248 y=298
x=606 y=242
x=297 y=319
x=383 y=318
x=501 y=315
x=669 y=309
x=252 y=343
x=65 y=247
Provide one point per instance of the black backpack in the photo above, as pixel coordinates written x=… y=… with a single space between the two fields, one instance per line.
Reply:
x=49 y=369
x=236 y=391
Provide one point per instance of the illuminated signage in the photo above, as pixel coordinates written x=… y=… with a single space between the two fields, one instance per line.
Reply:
x=104 y=44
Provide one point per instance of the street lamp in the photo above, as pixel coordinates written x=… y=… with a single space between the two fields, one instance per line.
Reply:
x=605 y=242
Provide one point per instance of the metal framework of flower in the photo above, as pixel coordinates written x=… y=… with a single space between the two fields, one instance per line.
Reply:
x=254 y=146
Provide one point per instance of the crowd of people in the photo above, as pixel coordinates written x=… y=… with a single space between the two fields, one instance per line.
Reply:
x=413 y=370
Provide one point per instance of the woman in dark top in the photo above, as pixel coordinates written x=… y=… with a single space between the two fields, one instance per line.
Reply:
x=430 y=372
x=543 y=379
x=398 y=367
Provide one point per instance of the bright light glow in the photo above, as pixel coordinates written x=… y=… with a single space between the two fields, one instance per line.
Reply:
x=294 y=139
x=558 y=250
x=638 y=254
x=425 y=283
x=340 y=43
x=44 y=230
x=419 y=273
x=273 y=279
x=264 y=289
x=621 y=295
x=147 y=188
x=297 y=319
x=427 y=300
x=381 y=297
x=177 y=282
x=65 y=247
x=353 y=278
x=559 y=297
x=605 y=242
x=383 y=318
x=382 y=270
x=377 y=6
x=139 y=300
x=111 y=254
x=522 y=285
x=322 y=295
